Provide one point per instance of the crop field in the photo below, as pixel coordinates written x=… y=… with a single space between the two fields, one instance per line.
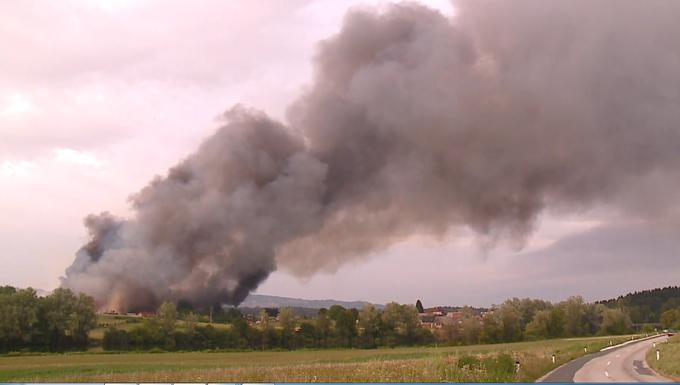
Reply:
x=424 y=364
x=669 y=360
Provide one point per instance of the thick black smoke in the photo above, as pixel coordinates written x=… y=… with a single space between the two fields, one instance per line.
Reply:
x=415 y=124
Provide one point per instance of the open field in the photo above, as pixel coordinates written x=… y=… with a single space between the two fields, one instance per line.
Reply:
x=124 y=322
x=669 y=362
x=425 y=364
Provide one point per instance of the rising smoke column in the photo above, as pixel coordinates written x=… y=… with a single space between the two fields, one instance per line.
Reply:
x=415 y=124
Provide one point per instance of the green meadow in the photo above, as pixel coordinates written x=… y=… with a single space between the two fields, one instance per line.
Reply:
x=493 y=362
x=669 y=358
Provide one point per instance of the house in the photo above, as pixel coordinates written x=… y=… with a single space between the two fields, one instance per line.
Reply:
x=436 y=311
x=455 y=315
x=441 y=321
x=435 y=320
x=426 y=320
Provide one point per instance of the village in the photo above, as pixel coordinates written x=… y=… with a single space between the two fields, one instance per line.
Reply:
x=433 y=318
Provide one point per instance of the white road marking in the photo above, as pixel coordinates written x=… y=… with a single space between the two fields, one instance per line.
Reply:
x=633 y=354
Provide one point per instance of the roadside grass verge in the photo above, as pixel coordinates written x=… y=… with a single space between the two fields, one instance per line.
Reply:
x=669 y=362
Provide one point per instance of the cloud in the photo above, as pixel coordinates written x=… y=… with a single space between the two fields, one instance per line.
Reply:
x=636 y=247
x=81 y=158
x=17 y=105
x=19 y=168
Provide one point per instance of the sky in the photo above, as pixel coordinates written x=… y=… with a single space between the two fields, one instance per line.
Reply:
x=98 y=97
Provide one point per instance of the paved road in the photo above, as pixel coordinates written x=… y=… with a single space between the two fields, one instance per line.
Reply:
x=623 y=364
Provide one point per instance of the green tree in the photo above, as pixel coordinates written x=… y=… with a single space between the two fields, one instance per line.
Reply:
x=400 y=323
x=509 y=321
x=556 y=326
x=491 y=331
x=592 y=318
x=116 y=339
x=323 y=327
x=190 y=322
x=307 y=335
x=83 y=319
x=7 y=290
x=449 y=334
x=58 y=308
x=548 y=323
x=369 y=326
x=615 y=321
x=647 y=328
x=6 y=321
x=419 y=306
x=335 y=312
x=346 y=325
x=671 y=303
x=470 y=329
x=168 y=316
x=265 y=326
x=526 y=308
x=575 y=324
x=287 y=323
x=24 y=314
x=539 y=327
x=670 y=319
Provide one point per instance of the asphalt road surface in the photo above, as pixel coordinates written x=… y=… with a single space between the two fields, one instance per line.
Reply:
x=622 y=364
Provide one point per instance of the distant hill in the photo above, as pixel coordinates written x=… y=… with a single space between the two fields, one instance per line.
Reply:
x=262 y=301
x=646 y=306
x=453 y=309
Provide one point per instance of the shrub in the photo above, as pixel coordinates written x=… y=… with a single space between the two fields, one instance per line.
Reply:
x=469 y=362
x=500 y=368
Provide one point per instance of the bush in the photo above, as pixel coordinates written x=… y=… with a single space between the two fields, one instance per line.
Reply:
x=469 y=362
x=500 y=368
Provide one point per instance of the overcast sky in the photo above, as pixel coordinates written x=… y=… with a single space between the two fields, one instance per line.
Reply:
x=98 y=97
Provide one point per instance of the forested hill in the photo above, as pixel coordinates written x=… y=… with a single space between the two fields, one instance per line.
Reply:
x=647 y=305
x=264 y=301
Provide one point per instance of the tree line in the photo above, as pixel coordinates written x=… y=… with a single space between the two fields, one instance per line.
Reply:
x=647 y=306
x=58 y=322
x=336 y=327
x=395 y=325
x=63 y=321
x=670 y=319
x=532 y=319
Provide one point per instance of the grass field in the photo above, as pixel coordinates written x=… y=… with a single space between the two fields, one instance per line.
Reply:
x=127 y=323
x=669 y=362
x=424 y=364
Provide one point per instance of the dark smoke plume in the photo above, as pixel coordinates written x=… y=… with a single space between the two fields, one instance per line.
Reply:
x=415 y=124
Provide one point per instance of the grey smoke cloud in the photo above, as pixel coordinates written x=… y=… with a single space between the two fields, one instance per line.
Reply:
x=415 y=124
